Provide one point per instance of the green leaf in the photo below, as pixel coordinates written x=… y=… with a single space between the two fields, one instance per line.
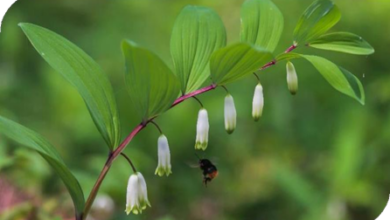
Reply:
x=234 y=62
x=34 y=141
x=295 y=185
x=287 y=56
x=261 y=23
x=151 y=84
x=197 y=33
x=340 y=78
x=84 y=74
x=316 y=20
x=343 y=42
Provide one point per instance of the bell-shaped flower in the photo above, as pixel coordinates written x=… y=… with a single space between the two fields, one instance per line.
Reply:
x=230 y=114
x=258 y=102
x=164 y=157
x=202 y=130
x=137 y=194
x=292 y=78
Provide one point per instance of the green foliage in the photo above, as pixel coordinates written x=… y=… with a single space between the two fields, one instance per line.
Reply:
x=236 y=61
x=315 y=21
x=261 y=23
x=34 y=141
x=338 y=77
x=84 y=74
x=343 y=42
x=151 y=84
x=295 y=185
x=197 y=33
x=197 y=38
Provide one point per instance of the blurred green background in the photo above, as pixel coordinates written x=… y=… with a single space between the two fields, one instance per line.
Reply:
x=316 y=155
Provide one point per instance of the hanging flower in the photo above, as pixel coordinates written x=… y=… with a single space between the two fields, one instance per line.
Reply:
x=230 y=114
x=202 y=130
x=292 y=78
x=164 y=157
x=258 y=103
x=137 y=194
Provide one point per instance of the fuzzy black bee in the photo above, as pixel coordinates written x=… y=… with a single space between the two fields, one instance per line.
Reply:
x=209 y=170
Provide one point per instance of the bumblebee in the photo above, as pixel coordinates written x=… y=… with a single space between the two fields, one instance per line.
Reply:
x=209 y=170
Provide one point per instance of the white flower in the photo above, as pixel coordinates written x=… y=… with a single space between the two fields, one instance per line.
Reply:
x=164 y=157
x=137 y=194
x=292 y=78
x=202 y=130
x=258 y=102
x=230 y=114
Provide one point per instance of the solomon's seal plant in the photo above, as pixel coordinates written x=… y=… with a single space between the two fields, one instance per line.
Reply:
x=200 y=55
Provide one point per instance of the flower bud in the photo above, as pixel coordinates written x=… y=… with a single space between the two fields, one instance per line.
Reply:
x=292 y=78
x=164 y=157
x=202 y=130
x=230 y=114
x=258 y=102
x=137 y=194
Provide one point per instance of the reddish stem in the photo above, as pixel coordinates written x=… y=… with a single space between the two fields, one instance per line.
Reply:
x=192 y=94
x=113 y=155
x=291 y=48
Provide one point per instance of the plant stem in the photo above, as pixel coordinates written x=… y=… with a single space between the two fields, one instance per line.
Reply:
x=226 y=90
x=112 y=156
x=156 y=125
x=106 y=168
x=291 y=48
x=130 y=162
x=200 y=103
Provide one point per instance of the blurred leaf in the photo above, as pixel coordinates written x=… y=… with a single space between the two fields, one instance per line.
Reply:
x=340 y=78
x=84 y=74
x=296 y=186
x=262 y=23
x=197 y=33
x=5 y=160
x=343 y=42
x=32 y=140
x=151 y=84
x=234 y=62
x=347 y=151
x=316 y=20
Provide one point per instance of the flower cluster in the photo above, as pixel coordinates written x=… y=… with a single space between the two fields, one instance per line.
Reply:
x=137 y=198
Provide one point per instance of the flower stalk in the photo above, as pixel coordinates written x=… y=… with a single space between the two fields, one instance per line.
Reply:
x=114 y=154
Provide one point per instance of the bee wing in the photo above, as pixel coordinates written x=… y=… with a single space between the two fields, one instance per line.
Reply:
x=215 y=160
x=193 y=165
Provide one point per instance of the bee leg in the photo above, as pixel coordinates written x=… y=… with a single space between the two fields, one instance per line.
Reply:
x=206 y=180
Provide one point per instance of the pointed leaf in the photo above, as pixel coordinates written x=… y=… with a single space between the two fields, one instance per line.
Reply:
x=151 y=84
x=84 y=74
x=197 y=33
x=261 y=23
x=340 y=78
x=34 y=141
x=236 y=61
x=316 y=20
x=343 y=42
